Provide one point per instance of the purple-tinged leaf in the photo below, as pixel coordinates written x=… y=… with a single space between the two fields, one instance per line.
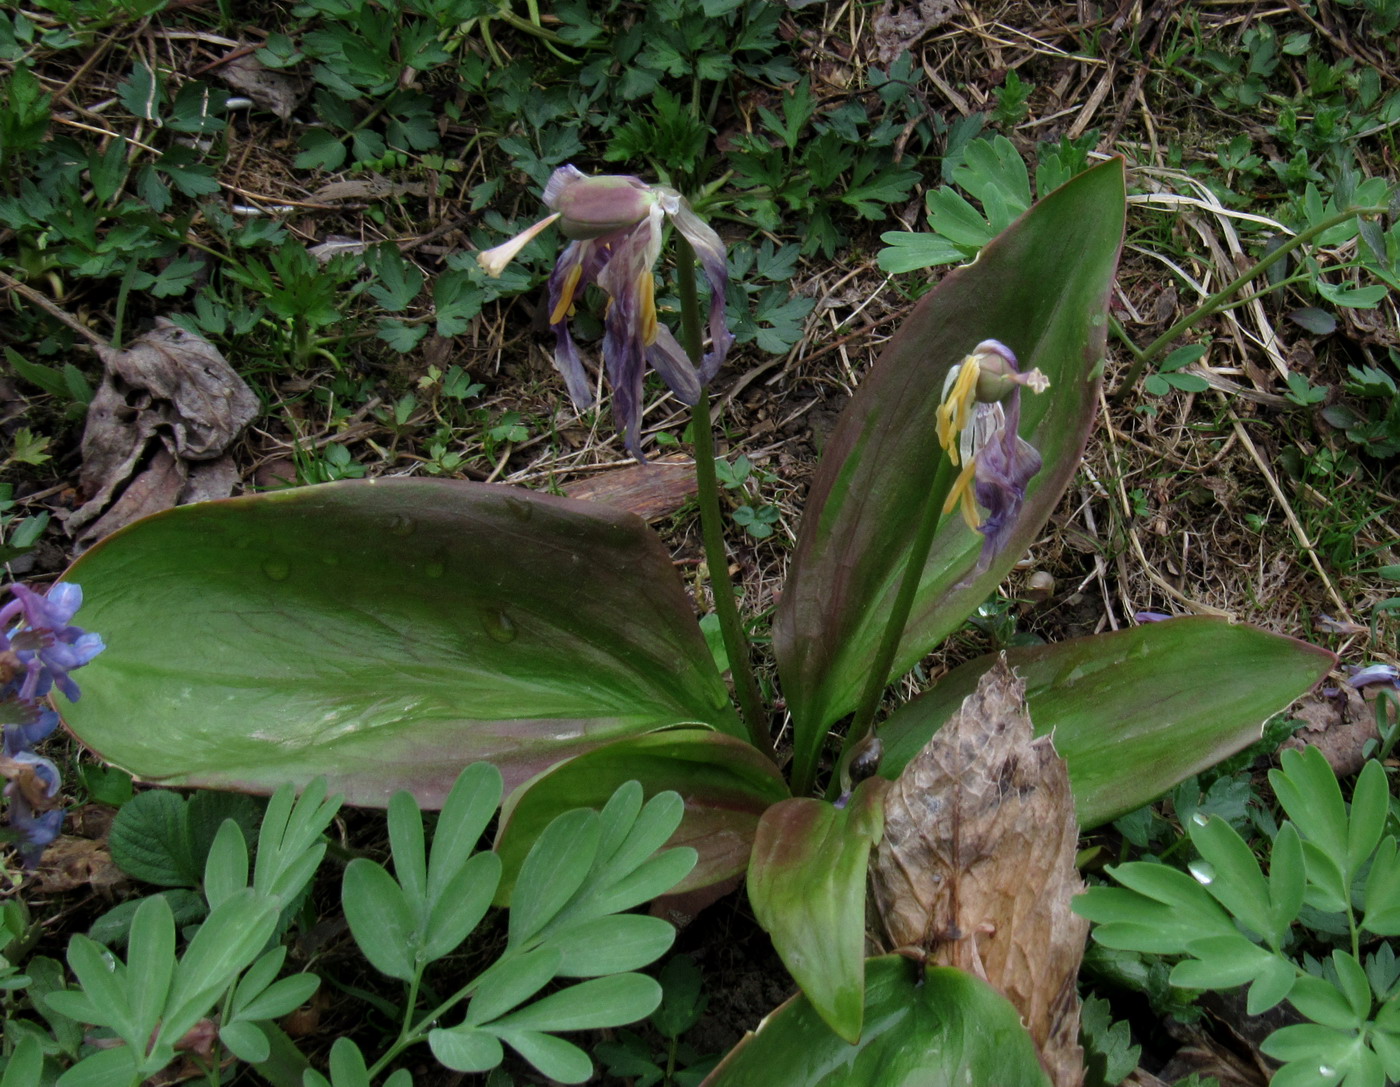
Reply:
x=1041 y=287
x=385 y=634
x=946 y=1029
x=1135 y=712
x=727 y=785
x=807 y=887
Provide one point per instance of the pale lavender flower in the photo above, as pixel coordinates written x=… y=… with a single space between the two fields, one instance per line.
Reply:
x=1374 y=673
x=614 y=224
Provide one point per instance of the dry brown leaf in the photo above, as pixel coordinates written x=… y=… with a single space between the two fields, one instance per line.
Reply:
x=335 y=246
x=650 y=491
x=977 y=864
x=1339 y=725
x=899 y=25
x=373 y=187
x=69 y=863
x=273 y=90
x=169 y=399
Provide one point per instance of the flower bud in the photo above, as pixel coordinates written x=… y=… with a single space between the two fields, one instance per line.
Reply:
x=997 y=373
x=591 y=207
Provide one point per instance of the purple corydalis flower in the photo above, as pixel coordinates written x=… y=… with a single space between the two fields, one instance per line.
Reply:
x=977 y=423
x=32 y=790
x=39 y=647
x=614 y=224
x=46 y=647
x=1374 y=673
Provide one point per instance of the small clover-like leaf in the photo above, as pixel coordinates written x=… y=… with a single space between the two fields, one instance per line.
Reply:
x=410 y=858
x=555 y=868
x=1287 y=878
x=1324 y=1003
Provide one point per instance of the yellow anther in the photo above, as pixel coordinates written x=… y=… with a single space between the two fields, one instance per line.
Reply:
x=646 y=289
x=566 y=294
x=956 y=410
x=962 y=492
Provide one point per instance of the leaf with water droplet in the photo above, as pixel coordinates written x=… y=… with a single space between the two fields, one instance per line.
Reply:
x=499 y=626
x=304 y=633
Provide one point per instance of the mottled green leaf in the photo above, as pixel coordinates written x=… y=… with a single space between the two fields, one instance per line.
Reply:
x=1041 y=287
x=385 y=634
x=1134 y=712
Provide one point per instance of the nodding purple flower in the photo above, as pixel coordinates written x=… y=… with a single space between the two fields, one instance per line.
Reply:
x=977 y=424
x=613 y=224
x=39 y=647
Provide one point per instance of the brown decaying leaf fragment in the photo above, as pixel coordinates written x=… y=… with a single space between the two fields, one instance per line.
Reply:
x=977 y=864
x=273 y=90
x=651 y=491
x=169 y=399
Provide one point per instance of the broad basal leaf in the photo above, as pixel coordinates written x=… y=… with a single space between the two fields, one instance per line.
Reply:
x=1137 y=711
x=384 y=634
x=807 y=887
x=1041 y=287
x=942 y=1029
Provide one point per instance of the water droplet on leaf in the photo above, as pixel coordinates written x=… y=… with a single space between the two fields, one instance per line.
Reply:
x=498 y=626
x=1204 y=872
x=401 y=525
x=1200 y=819
x=277 y=569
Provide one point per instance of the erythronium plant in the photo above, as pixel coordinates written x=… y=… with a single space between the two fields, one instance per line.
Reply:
x=386 y=633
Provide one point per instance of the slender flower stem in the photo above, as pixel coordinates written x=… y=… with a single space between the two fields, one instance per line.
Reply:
x=736 y=645
x=1218 y=300
x=878 y=676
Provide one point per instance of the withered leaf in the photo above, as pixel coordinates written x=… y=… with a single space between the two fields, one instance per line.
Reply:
x=374 y=187
x=70 y=863
x=273 y=90
x=170 y=392
x=651 y=491
x=977 y=864
x=1339 y=725
x=899 y=26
